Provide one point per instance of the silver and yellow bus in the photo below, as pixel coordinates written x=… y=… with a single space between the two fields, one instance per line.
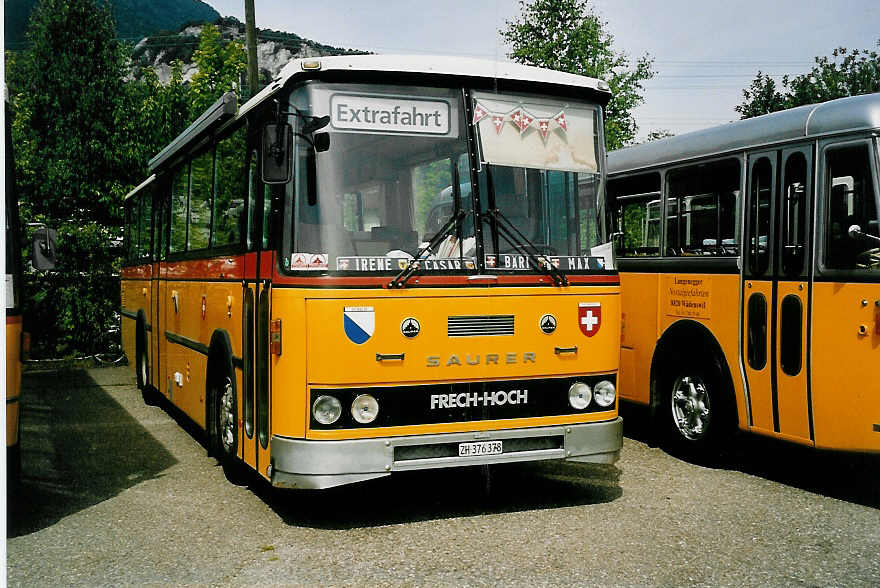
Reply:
x=380 y=264
x=757 y=302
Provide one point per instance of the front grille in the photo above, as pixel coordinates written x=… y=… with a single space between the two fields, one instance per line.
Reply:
x=479 y=326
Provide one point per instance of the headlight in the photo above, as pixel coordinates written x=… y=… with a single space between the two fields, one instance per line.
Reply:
x=365 y=409
x=326 y=410
x=604 y=393
x=579 y=396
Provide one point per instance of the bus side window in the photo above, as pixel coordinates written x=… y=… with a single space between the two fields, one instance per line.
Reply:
x=128 y=234
x=179 y=197
x=707 y=198
x=852 y=227
x=230 y=189
x=636 y=212
x=200 y=197
x=146 y=227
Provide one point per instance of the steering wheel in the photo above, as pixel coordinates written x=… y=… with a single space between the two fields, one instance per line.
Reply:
x=868 y=259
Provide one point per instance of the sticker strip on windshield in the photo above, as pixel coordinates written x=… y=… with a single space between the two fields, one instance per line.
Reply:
x=506 y=261
x=382 y=264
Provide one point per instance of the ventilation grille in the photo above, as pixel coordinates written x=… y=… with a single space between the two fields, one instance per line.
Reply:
x=480 y=326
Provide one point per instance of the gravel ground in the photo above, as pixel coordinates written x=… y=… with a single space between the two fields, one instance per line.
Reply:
x=117 y=493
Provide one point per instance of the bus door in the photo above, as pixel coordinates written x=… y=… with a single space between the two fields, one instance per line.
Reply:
x=777 y=292
x=157 y=294
x=255 y=383
x=846 y=297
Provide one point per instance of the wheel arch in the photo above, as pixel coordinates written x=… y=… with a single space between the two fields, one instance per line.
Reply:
x=689 y=335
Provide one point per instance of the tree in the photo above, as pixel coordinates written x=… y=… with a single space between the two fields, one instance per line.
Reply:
x=220 y=67
x=566 y=35
x=844 y=73
x=74 y=166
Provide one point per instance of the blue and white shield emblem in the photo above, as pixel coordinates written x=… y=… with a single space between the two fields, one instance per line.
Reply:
x=359 y=323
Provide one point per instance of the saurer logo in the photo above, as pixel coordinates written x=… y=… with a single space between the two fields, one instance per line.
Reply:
x=477 y=359
x=472 y=399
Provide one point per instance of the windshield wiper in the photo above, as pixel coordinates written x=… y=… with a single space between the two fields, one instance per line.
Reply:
x=521 y=243
x=406 y=273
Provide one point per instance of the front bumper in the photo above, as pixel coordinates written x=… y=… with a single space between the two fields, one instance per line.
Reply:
x=308 y=464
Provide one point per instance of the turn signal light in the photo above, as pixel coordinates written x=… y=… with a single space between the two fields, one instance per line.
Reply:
x=275 y=336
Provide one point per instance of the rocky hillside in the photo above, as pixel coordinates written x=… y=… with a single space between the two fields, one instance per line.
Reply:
x=135 y=19
x=274 y=49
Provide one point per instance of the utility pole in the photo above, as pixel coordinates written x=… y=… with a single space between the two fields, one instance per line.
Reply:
x=251 y=40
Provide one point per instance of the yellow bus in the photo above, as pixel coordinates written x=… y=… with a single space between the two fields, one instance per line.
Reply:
x=749 y=260
x=380 y=264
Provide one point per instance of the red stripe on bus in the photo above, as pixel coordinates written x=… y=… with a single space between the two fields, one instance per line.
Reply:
x=12 y=320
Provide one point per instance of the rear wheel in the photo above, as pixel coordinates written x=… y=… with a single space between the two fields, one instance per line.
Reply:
x=696 y=413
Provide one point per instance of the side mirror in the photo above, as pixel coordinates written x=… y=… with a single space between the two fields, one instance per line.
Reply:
x=45 y=244
x=276 y=160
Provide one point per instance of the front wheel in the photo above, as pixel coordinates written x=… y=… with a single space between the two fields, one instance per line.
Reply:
x=695 y=411
x=226 y=432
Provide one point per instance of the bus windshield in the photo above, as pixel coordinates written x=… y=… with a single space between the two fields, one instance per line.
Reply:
x=389 y=182
x=397 y=177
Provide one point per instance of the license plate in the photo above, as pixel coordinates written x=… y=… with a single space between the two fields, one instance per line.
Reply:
x=480 y=448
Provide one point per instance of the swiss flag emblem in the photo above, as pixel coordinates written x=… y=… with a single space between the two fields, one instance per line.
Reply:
x=589 y=317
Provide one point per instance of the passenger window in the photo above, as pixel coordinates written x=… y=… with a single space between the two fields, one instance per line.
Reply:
x=704 y=218
x=230 y=189
x=852 y=227
x=760 y=201
x=179 y=196
x=131 y=229
x=202 y=180
x=253 y=186
x=146 y=218
x=636 y=212
x=795 y=202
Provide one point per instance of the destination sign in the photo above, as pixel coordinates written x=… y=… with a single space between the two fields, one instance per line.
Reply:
x=389 y=114
x=565 y=263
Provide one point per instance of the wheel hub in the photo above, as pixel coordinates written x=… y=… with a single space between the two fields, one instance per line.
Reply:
x=691 y=410
x=227 y=417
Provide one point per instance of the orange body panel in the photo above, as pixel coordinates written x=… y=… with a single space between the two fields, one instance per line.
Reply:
x=654 y=302
x=791 y=390
x=846 y=366
x=760 y=380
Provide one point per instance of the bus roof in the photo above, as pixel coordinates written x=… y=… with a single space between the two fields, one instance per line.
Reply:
x=427 y=65
x=855 y=113
x=401 y=65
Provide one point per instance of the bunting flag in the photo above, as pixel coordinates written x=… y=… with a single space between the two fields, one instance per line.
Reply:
x=521 y=119
x=544 y=127
x=479 y=113
x=560 y=120
x=498 y=121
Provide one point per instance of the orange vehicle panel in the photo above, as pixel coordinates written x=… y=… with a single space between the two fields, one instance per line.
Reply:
x=845 y=364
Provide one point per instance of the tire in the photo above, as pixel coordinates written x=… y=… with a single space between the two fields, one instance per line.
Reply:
x=696 y=412
x=142 y=366
x=224 y=437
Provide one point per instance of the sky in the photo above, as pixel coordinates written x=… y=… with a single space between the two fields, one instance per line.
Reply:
x=704 y=53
